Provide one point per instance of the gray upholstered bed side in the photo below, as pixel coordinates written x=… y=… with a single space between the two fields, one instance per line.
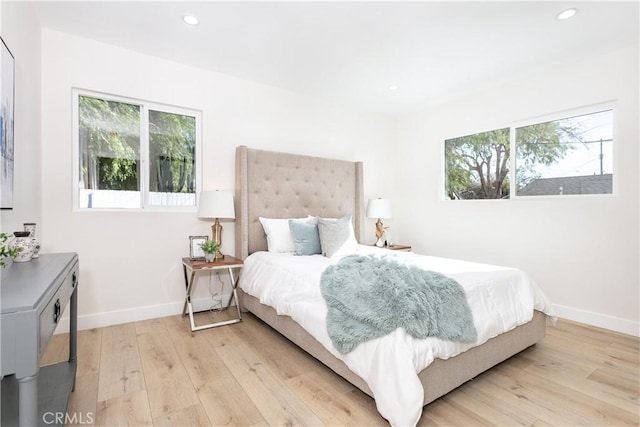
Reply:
x=283 y=185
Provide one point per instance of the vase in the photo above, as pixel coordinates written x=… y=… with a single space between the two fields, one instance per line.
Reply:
x=209 y=257
x=387 y=238
x=31 y=228
x=23 y=244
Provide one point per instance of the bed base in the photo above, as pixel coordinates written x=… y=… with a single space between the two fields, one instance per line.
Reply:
x=437 y=379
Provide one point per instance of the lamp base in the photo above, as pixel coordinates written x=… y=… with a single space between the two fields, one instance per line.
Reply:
x=379 y=230
x=216 y=236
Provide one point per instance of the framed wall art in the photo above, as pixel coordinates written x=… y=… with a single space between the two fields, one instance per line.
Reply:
x=7 y=93
x=195 y=251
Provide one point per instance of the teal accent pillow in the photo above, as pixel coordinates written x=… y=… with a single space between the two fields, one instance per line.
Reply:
x=306 y=239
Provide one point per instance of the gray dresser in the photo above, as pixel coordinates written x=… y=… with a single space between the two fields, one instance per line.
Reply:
x=34 y=295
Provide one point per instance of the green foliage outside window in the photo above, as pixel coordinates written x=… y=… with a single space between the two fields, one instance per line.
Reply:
x=172 y=146
x=478 y=165
x=110 y=143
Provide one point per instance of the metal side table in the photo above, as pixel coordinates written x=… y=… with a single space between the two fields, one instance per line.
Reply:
x=195 y=266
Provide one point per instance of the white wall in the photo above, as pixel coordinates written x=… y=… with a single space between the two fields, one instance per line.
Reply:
x=21 y=33
x=583 y=251
x=130 y=261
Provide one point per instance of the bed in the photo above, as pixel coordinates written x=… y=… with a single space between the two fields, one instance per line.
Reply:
x=283 y=185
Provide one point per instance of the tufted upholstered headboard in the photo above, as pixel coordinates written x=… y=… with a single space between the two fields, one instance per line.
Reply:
x=281 y=185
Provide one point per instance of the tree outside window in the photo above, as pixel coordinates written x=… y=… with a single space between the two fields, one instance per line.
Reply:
x=133 y=156
x=477 y=166
x=172 y=152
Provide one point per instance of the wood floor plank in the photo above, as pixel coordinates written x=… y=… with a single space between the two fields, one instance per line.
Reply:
x=617 y=378
x=193 y=416
x=541 y=423
x=223 y=399
x=484 y=405
x=83 y=400
x=334 y=410
x=281 y=355
x=597 y=336
x=202 y=363
x=592 y=350
x=591 y=411
x=546 y=353
x=89 y=350
x=508 y=392
x=120 y=366
x=227 y=404
x=168 y=385
x=588 y=356
x=478 y=389
x=275 y=401
x=221 y=336
x=558 y=371
x=449 y=412
x=128 y=410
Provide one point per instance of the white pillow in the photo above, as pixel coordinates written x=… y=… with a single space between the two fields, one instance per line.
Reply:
x=279 y=237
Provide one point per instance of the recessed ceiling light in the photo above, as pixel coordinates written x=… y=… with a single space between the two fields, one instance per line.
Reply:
x=191 y=20
x=393 y=87
x=566 y=14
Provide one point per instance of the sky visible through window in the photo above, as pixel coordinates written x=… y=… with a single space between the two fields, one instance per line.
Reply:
x=583 y=158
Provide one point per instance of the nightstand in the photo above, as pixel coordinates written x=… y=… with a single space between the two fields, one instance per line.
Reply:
x=228 y=263
x=401 y=248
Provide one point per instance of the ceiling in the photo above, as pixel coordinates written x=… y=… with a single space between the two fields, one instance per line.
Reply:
x=353 y=51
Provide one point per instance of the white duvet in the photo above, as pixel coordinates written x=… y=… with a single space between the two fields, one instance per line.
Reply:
x=500 y=298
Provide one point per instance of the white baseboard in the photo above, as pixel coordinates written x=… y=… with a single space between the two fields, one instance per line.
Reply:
x=110 y=318
x=612 y=323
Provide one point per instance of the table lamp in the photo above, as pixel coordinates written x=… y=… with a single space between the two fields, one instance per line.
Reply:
x=218 y=205
x=379 y=208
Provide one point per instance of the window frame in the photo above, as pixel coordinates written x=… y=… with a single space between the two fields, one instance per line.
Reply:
x=559 y=115
x=145 y=107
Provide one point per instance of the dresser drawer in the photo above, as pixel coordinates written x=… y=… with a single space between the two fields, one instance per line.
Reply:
x=52 y=313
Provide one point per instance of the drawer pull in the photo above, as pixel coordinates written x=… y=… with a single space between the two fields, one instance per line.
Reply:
x=74 y=279
x=56 y=311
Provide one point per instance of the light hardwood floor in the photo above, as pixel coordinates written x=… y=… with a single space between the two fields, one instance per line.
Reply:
x=157 y=372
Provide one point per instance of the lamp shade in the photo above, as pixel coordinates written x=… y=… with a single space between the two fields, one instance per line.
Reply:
x=216 y=204
x=379 y=208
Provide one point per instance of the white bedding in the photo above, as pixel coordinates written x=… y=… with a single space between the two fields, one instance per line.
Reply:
x=500 y=298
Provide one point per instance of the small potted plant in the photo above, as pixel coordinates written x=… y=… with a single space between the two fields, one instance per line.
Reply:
x=5 y=251
x=210 y=249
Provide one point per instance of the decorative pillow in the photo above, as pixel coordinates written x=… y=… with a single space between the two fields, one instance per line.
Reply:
x=306 y=239
x=279 y=238
x=336 y=236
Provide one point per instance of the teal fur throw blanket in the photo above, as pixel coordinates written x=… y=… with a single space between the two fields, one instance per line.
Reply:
x=369 y=297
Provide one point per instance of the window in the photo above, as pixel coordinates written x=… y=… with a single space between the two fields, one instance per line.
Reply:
x=135 y=154
x=567 y=156
x=477 y=166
